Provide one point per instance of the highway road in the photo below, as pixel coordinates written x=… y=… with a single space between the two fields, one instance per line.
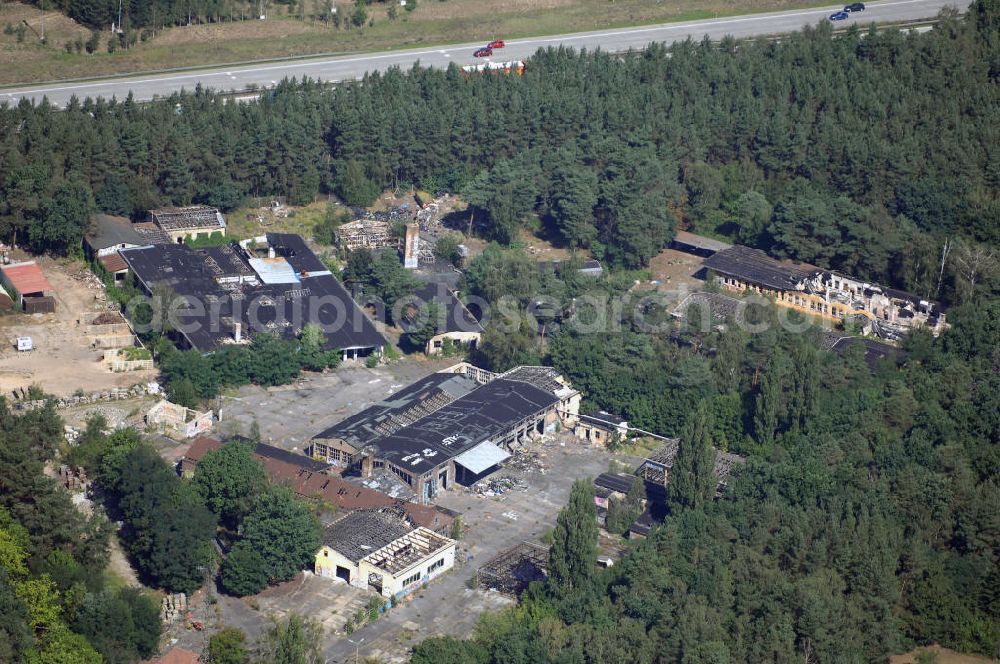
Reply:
x=333 y=69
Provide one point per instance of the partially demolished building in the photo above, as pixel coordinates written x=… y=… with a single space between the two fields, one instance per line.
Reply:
x=365 y=234
x=656 y=467
x=883 y=312
x=271 y=284
x=383 y=550
x=452 y=426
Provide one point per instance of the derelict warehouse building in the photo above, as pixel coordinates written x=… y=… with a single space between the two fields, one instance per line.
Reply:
x=384 y=550
x=274 y=284
x=452 y=426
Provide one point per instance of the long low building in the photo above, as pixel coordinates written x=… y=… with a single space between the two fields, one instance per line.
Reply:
x=384 y=550
x=272 y=284
x=883 y=312
x=317 y=481
x=341 y=444
x=444 y=430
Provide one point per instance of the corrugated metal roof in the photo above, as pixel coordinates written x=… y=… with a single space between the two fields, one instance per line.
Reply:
x=108 y=231
x=274 y=270
x=27 y=278
x=754 y=266
x=700 y=241
x=482 y=456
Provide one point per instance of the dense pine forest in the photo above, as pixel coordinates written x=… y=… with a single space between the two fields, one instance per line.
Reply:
x=866 y=521
x=58 y=600
x=864 y=151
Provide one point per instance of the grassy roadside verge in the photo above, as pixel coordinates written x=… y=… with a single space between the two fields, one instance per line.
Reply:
x=283 y=37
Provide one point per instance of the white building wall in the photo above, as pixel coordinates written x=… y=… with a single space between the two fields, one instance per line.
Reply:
x=392 y=585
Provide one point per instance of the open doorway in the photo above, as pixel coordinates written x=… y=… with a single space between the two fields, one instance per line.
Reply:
x=375 y=582
x=343 y=573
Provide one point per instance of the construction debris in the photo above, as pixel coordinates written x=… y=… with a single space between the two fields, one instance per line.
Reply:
x=497 y=486
x=173 y=607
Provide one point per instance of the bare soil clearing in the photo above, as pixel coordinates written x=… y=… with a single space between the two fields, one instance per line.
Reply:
x=64 y=359
x=944 y=656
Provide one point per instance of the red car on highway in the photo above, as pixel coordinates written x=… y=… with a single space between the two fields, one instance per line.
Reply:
x=496 y=43
x=484 y=52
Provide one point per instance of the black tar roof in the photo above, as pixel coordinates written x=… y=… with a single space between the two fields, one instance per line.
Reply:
x=492 y=410
x=300 y=460
x=756 y=267
x=372 y=422
x=587 y=265
x=366 y=531
x=455 y=316
x=282 y=309
x=109 y=231
x=874 y=350
x=294 y=249
x=621 y=483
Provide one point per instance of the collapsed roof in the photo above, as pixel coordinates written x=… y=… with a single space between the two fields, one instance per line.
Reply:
x=222 y=288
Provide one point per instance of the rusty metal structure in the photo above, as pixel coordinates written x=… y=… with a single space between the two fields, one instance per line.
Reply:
x=514 y=569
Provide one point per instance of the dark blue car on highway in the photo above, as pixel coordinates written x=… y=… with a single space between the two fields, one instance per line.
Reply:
x=839 y=16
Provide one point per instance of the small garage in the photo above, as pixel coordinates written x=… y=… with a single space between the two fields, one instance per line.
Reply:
x=31 y=290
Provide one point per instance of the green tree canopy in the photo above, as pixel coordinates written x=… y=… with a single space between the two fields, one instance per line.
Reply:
x=282 y=532
x=574 y=540
x=229 y=480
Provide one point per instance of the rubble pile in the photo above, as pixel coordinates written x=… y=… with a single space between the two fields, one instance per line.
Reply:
x=174 y=607
x=114 y=394
x=497 y=486
x=524 y=460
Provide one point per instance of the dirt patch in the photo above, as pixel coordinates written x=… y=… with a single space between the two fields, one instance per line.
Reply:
x=674 y=271
x=944 y=656
x=542 y=249
x=65 y=358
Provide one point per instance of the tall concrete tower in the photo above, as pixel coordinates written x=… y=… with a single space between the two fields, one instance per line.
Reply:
x=411 y=250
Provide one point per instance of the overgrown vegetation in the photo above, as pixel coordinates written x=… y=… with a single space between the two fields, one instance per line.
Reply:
x=170 y=521
x=860 y=526
x=57 y=602
x=267 y=360
x=607 y=152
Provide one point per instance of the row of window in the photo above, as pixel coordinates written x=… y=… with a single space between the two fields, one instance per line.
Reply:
x=436 y=565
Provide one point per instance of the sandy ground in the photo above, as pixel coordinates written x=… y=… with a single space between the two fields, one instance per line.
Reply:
x=944 y=656
x=63 y=360
x=675 y=271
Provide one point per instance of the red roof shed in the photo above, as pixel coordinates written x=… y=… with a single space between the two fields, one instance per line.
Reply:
x=26 y=279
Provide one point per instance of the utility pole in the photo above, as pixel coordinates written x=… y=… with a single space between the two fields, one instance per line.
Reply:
x=357 y=649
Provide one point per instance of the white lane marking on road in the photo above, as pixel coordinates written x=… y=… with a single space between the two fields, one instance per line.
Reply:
x=681 y=27
x=714 y=22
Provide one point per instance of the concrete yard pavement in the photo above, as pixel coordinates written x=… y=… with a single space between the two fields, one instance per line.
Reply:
x=346 y=68
x=289 y=416
x=492 y=523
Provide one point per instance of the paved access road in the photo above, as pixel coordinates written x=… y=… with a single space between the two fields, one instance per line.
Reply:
x=333 y=69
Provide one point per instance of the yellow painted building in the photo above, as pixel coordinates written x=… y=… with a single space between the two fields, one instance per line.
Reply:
x=382 y=550
x=887 y=312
